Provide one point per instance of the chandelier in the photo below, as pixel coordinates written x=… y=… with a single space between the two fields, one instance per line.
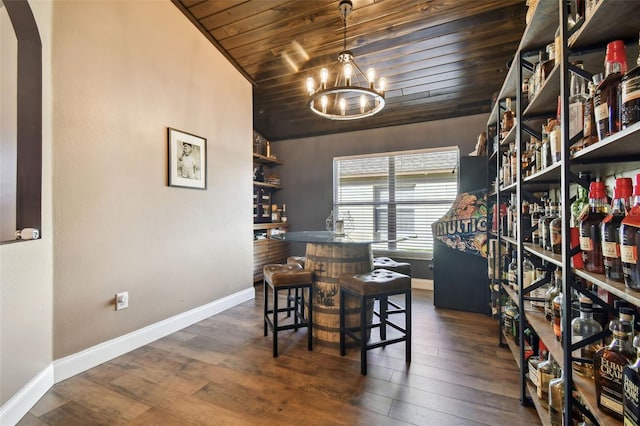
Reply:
x=354 y=94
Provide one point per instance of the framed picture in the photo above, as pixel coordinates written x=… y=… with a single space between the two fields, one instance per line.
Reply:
x=187 y=160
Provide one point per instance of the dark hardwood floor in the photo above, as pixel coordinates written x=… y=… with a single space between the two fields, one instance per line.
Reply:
x=220 y=371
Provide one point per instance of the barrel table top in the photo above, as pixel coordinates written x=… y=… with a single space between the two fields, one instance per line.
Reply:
x=328 y=237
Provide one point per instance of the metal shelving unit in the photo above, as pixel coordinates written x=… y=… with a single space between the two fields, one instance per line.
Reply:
x=612 y=156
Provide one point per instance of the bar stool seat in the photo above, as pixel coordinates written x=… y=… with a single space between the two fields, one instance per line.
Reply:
x=378 y=284
x=392 y=265
x=300 y=260
x=287 y=277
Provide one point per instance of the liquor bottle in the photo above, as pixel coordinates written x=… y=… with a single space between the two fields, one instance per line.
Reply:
x=546 y=228
x=590 y=240
x=556 y=399
x=546 y=373
x=525 y=222
x=606 y=99
x=551 y=293
x=631 y=388
x=558 y=313
x=505 y=260
x=555 y=233
x=610 y=229
x=283 y=215
x=536 y=214
x=508 y=119
x=582 y=327
x=546 y=145
x=629 y=227
x=535 y=361
x=513 y=271
x=547 y=212
x=540 y=292
x=630 y=96
x=579 y=209
x=577 y=101
x=528 y=277
x=608 y=365
x=555 y=136
x=589 y=126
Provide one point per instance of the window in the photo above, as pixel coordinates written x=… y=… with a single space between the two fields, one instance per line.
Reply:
x=395 y=194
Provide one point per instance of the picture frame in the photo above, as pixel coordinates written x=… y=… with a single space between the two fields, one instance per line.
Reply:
x=187 y=159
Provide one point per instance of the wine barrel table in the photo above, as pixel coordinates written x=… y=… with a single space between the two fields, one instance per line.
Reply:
x=329 y=255
x=328 y=262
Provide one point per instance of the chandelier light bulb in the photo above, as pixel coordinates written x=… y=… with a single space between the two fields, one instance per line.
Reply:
x=381 y=84
x=324 y=76
x=363 y=103
x=371 y=77
x=348 y=71
x=343 y=106
x=324 y=101
x=310 y=85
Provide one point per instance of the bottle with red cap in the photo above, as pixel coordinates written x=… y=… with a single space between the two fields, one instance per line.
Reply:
x=629 y=226
x=590 y=240
x=606 y=101
x=610 y=229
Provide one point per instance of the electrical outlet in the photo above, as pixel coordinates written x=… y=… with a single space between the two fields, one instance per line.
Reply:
x=122 y=300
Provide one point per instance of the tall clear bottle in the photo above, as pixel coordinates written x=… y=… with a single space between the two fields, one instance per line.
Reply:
x=630 y=96
x=610 y=229
x=606 y=100
x=577 y=100
x=629 y=226
x=551 y=293
x=590 y=240
x=546 y=225
x=609 y=363
x=556 y=399
x=582 y=327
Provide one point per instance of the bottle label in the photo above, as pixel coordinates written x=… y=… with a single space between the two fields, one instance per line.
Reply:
x=543 y=384
x=630 y=90
x=629 y=254
x=586 y=244
x=610 y=249
x=601 y=112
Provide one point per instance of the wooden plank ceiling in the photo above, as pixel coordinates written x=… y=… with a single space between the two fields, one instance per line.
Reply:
x=441 y=58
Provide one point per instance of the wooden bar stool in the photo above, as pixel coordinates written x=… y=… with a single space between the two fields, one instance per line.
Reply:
x=378 y=284
x=287 y=277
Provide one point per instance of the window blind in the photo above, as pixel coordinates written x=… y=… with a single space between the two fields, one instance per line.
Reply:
x=397 y=194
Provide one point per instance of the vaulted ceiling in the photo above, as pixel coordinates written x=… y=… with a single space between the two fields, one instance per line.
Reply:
x=440 y=58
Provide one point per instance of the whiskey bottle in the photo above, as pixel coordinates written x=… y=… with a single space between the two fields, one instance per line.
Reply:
x=546 y=373
x=513 y=271
x=609 y=363
x=558 y=313
x=589 y=126
x=629 y=227
x=577 y=101
x=556 y=399
x=551 y=293
x=536 y=214
x=508 y=119
x=525 y=222
x=630 y=96
x=610 y=229
x=555 y=233
x=546 y=222
x=631 y=389
x=547 y=212
x=582 y=327
x=590 y=240
x=579 y=209
x=534 y=361
x=606 y=99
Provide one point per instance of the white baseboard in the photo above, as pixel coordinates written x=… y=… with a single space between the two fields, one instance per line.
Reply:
x=421 y=284
x=20 y=404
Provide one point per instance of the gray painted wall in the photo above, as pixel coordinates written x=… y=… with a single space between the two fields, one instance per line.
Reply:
x=307 y=173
